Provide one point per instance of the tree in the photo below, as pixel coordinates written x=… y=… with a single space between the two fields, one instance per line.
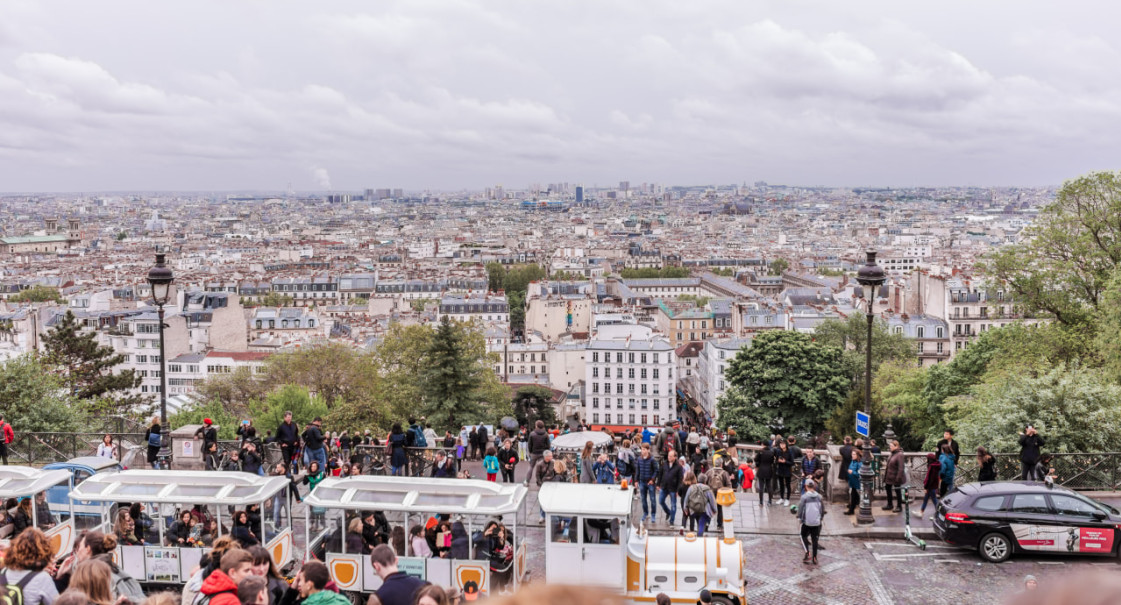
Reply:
x=233 y=391
x=724 y=271
x=38 y=293
x=496 y=276
x=86 y=368
x=268 y=414
x=700 y=301
x=121 y=235
x=35 y=400
x=851 y=336
x=533 y=403
x=518 y=278
x=400 y=359
x=214 y=410
x=276 y=299
x=1075 y=410
x=779 y=266
x=784 y=378
x=420 y=304
x=516 y=302
x=1071 y=251
x=332 y=371
x=457 y=382
x=566 y=276
x=652 y=273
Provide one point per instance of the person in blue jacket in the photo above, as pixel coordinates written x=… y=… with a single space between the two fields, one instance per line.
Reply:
x=946 y=459
x=604 y=470
x=854 y=480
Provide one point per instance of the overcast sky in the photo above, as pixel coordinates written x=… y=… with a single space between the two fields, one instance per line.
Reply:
x=467 y=94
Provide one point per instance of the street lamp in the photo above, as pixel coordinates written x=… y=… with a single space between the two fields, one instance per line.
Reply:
x=870 y=277
x=160 y=278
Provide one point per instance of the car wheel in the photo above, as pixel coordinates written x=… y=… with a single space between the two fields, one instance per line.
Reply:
x=995 y=548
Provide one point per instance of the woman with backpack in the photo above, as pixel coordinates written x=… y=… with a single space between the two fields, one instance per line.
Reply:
x=624 y=462
x=947 y=472
x=29 y=554
x=396 y=446
x=153 y=437
x=700 y=502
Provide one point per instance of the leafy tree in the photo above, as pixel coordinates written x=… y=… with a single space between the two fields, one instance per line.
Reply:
x=38 y=293
x=268 y=414
x=1074 y=409
x=214 y=410
x=533 y=403
x=233 y=391
x=700 y=301
x=1108 y=338
x=420 y=304
x=400 y=359
x=516 y=302
x=724 y=271
x=779 y=266
x=652 y=273
x=784 y=378
x=897 y=389
x=1070 y=251
x=332 y=371
x=121 y=236
x=518 y=278
x=496 y=276
x=458 y=381
x=851 y=336
x=35 y=400
x=276 y=299
x=567 y=276
x=87 y=368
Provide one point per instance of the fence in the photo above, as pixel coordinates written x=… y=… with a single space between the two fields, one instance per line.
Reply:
x=45 y=448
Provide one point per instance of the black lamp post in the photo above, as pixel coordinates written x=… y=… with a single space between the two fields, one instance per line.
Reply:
x=160 y=278
x=870 y=277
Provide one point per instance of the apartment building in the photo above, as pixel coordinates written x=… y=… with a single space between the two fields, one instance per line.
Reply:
x=472 y=307
x=712 y=362
x=931 y=336
x=683 y=323
x=629 y=382
x=320 y=290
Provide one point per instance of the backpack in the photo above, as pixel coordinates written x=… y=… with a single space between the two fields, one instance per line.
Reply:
x=623 y=465
x=696 y=500
x=668 y=442
x=154 y=440
x=418 y=436
x=12 y=594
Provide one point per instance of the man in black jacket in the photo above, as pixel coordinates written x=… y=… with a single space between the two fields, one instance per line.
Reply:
x=397 y=588
x=1030 y=443
x=288 y=436
x=672 y=475
x=538 y=444
x=313 y=443
x=948 y=439
x=208 y=433
x=846 y=458
x=765 y=472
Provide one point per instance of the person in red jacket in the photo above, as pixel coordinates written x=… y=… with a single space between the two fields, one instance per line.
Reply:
x=8 y=437
x=221 y=586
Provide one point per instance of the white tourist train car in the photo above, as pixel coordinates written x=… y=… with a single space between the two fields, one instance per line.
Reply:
x=412 y=500
x=32 y=485
x=589 y=541
x=166 y=493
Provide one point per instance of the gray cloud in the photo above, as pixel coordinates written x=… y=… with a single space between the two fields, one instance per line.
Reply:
x=471 y=93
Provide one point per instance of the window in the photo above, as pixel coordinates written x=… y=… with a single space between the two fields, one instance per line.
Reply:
x=655 y=374
x=940 y=331
x=619 y=418
x=619 y=373
x=630 y=357
x=595 y=372
x=655 y=359
x=141 y=359
x=679 y=336
x=1030 y=503
x=939 y=347
x=619 y=357
x=721 y=356
x=619 y=388
x=920 y=347
x=920 y=332
x=595 y=418
x=631 y=418
x=1069 y=506
x=595 y=387
x=642 y=374
x=643 y=406
x=595 y=356
x=643 y=388
x=657 y=418
x=643 y=358
x=989 y=503
x=563 y=529
x=630 y=404
x=630 y=388
x=655 y=405
x=175 y=368
x=898 y=329
x=644 y=419
x=595 y=402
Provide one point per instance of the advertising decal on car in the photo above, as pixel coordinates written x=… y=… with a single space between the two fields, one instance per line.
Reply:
x=1063 y=539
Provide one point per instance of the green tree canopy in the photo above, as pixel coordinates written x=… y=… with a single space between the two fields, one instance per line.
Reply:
x=87 y=368
x=269 y=413
x=851 y=336
x=1074 y=410
x=1070 y=251
x=38 y=293
x=233 y=391
x=651 y=273
x=784 y=378
x=452 y=379
x=214 y=410
x=276 y=299
x=35 y=400
x=533 y=403
x=779 y=266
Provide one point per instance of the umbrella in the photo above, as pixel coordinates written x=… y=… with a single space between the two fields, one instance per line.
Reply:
x=510 y=424
x=575 y=441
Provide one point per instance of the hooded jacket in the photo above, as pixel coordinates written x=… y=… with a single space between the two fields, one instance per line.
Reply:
x=460 y=542
x=933 y=470
x=811 y=510
x=326 y=597
x=538 y=441
x=220 y=588
x=893 y=475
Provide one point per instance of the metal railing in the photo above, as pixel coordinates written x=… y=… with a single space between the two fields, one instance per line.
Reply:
x=45 y=448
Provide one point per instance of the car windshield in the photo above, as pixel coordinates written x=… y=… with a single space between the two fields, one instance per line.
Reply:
x=1102 y=506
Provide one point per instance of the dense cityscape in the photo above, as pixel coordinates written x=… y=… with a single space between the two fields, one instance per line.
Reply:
x=560 y=303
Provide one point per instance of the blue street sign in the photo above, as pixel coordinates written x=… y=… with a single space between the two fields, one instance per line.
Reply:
x=863 y=424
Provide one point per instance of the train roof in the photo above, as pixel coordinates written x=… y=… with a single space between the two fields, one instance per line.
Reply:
x=20 y=481
x=418 y=494
x=585 y=499
x=178 y=487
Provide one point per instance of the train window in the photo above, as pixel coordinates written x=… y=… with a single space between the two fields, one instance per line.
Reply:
x=661 y=579
x=564 y=529
x=689 y=579
x=601 y=531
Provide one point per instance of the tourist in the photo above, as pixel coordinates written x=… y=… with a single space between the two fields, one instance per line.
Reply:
x=586 y=464
x=264 y=567
x=490 y=464
x=212 y=459
x=220 y=587
x=375 y=530
x=508 y=460
x=432 y=595
x=765 y=472
x=986 y=465
x=94 y=580
x=288 y=436
x=946 y=474
x=699 y=502
x=180 y=531
x=442 y=466
x=242 y=530
x=125 y=529
x=153 y=439
x=314 y=578
x=846 y=459
x=853 y=479
x=624 y=461
x=948 y=439
x=523 y=443
x=930 y=484
x=29 y=554
x=315 y=442
x=208 y=433
x=1030 y=444
x=253 y=590
x=810 y=465
x=418 y=542
x=895 y=477
x=717 y=479
x=107 y=449
x=604 y=470
x=397 y=588
x=398 y=459
x=537 y=443
x=784 y=462
x=811 y=513
x=646 y=476
x=251 y=459
x=7 y=436
x=501 y=551
x=670 y=483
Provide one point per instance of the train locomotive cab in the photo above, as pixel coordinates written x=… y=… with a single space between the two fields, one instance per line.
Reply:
x=590 y=541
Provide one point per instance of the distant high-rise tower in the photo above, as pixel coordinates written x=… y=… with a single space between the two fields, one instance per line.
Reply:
x=624 y=185
x=579 y=194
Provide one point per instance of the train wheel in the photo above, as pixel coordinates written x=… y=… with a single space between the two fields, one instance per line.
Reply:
x=718 y=599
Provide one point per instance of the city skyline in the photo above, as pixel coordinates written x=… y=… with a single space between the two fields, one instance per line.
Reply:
x=129 y=96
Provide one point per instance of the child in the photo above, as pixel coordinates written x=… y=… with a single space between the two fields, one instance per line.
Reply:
x=195 y=538
x=747 y=476
x=490 y=464
x=460 y=452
